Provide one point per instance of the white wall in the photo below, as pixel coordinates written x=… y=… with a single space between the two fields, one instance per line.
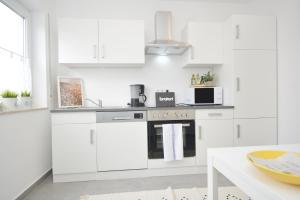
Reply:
x=25 y=150
x=288 y=12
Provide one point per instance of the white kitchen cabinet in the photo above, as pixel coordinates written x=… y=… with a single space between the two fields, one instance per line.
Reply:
x=122 y=41
x=255 y=92
x=250 y=77
x=214 y=128
x=252 y=132
x=101 y=42
x=74 y=148
x=253 y=32
x=122 y=147
x=78 y=41
x=206 y=39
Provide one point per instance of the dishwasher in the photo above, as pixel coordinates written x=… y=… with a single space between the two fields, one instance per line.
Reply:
x=121 y=140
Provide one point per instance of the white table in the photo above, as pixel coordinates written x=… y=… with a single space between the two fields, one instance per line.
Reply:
x=233 y=164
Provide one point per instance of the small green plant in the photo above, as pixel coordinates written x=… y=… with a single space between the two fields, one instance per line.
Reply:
x=25 y=93
x=9 y=94
x=207 y=77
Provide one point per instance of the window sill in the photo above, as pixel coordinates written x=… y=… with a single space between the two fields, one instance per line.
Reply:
x=20 y=110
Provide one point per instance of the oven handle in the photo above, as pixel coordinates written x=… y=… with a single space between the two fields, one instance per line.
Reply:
x=160 y=126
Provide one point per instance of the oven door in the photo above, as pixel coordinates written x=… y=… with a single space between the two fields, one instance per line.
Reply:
x=155 y=138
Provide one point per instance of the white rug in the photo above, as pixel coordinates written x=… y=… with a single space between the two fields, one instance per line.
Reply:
x=225 y=193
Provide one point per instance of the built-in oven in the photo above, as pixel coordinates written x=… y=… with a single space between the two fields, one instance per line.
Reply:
x=156 y=119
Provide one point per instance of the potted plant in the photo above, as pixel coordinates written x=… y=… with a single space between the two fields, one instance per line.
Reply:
x=26 y=99
x=9 y=98
x=207 y=79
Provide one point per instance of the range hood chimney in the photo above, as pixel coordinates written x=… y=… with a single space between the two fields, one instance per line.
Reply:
x=163 y=43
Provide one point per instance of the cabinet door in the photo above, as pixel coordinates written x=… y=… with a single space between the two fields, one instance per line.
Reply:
x=212 y=133
x=122 y=41
x=207 y=42
x=256 y=84
x=74 y=148
x=77 y=41
x=252 y=132
x=122 y=146
x=254 y=32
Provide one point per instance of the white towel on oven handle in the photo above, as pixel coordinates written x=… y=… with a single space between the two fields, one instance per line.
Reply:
x=172 y=142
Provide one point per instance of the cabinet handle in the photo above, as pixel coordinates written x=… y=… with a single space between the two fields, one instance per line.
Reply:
x=95 y=51
x=238 y=128
x=121 y=118
x=237 y=33
x=160 y=126
x=103 y=51
x=199 y=132
x=92 y=131
x=215 y=114
x=238 y=84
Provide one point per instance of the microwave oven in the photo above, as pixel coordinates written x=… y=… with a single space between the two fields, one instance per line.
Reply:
x=204 y=95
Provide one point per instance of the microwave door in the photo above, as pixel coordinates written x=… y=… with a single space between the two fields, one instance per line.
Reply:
x=204 y=96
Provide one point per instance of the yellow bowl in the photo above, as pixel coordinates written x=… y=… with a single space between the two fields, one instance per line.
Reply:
x=278 y=175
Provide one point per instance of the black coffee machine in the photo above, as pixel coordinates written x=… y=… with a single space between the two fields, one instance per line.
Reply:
x=138 y=98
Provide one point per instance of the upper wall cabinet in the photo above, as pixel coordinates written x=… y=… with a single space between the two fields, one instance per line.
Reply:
x=253 y=32
x=122 y=41
x=206 y=39
x=101 y=42
x=77 y=41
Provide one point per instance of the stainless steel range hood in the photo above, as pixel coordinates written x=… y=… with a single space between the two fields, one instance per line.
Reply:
x=163 y=43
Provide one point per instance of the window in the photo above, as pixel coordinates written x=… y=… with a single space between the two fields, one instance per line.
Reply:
x=15 y=73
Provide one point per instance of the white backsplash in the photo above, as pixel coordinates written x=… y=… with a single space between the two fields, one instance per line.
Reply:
x=111 y=85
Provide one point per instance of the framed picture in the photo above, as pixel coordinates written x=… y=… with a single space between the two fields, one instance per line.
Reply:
x=70 y=92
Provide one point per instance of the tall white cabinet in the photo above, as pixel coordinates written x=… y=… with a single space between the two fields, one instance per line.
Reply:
x=257 y=131
x=252 y=58
x=253 y=32
x=255 y=83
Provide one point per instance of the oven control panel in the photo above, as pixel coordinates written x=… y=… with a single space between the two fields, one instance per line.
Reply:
x=163 y=115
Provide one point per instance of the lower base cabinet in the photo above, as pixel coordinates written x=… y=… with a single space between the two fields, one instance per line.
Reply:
x=212 y=133
x=214 y=128
x=254 y=132
x=79 y=145
x=74 y=148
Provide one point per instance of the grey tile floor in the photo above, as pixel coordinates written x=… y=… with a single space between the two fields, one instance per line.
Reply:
x=48 y=190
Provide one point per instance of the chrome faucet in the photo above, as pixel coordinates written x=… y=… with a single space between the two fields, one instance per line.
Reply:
x=99 y=104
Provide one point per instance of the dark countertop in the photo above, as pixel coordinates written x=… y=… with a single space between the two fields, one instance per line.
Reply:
x=120 y=109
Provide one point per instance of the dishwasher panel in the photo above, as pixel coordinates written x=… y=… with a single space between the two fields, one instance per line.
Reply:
x=122 y=146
